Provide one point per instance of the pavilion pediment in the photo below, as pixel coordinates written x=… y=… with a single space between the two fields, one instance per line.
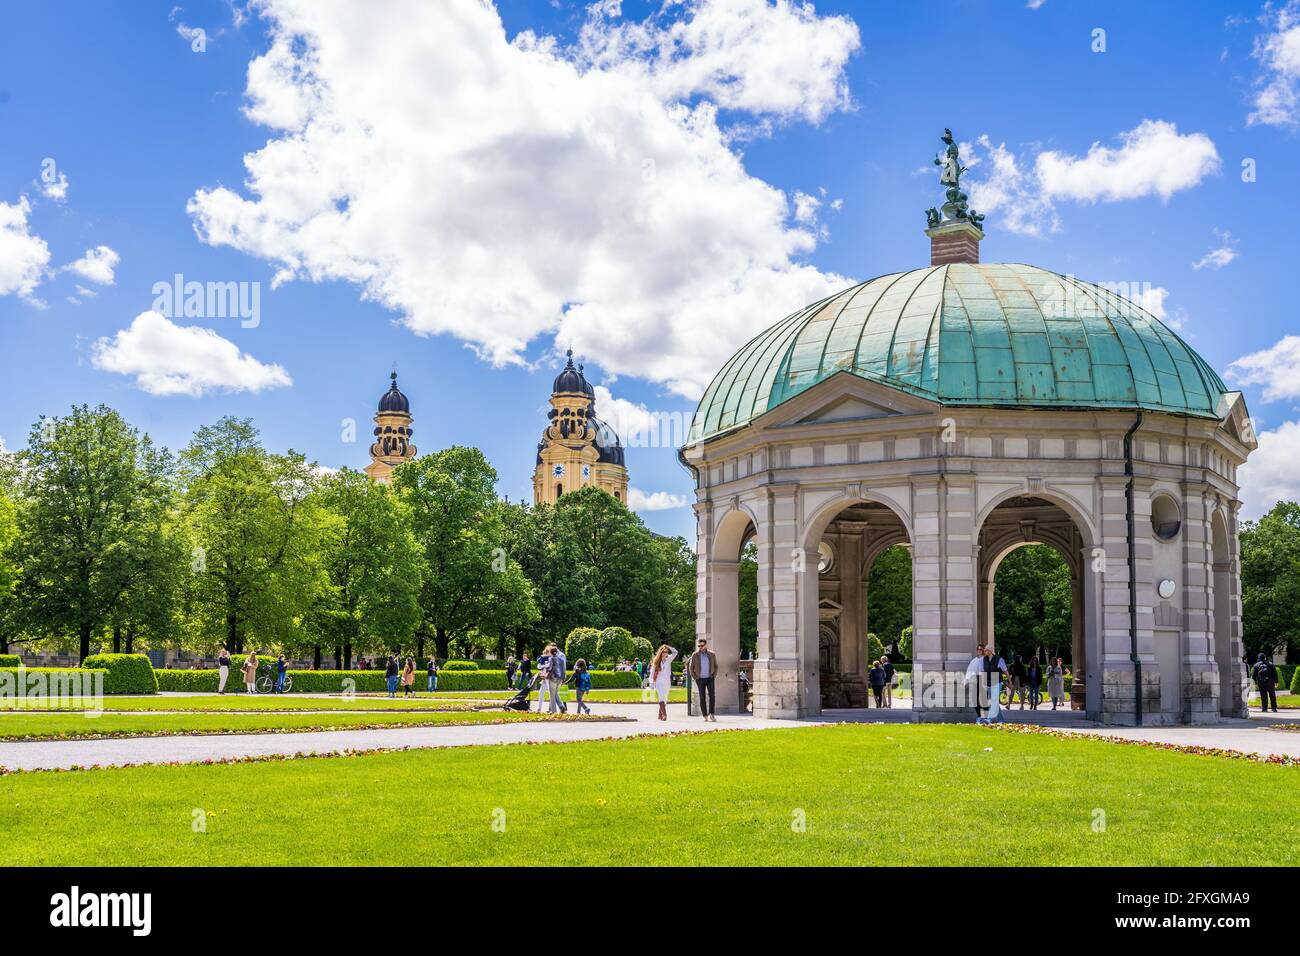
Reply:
x=845 y=398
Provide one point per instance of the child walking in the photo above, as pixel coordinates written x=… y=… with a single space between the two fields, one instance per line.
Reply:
x=581 y=680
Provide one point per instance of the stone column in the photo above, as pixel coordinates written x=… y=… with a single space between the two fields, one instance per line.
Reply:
x=1078 y=654
x=776 y=669
x=944 y=596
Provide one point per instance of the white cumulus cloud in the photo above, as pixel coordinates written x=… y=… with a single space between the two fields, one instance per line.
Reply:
x=1277 y=87
x=1276 y=368
x=169 y=359
x=1152 y=159
x=639 y=500
x=757 y=56
x=24 y=256
x=1270 y=474
x=505 y=191
x=96 y=265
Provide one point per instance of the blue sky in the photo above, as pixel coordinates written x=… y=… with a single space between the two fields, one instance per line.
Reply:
x=651 y=186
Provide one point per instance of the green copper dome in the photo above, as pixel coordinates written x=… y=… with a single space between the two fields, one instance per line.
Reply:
x=988 y=334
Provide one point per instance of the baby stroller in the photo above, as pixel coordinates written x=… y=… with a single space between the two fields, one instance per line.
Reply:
x=520 y=699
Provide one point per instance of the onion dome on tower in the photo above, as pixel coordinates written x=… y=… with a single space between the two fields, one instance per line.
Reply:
x=393 y=432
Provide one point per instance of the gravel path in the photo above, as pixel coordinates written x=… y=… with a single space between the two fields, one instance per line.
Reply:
x=34 y=755
x=1250 y=736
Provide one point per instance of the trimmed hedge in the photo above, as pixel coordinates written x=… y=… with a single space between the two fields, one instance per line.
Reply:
x=331 y=682
x=127 y=673
x=1285 y=674
x=1295 y=681
x=457 y=666
x=10 y=660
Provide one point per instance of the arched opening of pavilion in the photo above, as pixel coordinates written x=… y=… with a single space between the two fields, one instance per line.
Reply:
x=843 y=551
x=1060 y=563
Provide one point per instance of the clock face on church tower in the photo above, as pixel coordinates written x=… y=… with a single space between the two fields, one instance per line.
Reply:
x=558 y=471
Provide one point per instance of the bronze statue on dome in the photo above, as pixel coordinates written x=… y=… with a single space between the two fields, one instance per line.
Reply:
x=956 y=208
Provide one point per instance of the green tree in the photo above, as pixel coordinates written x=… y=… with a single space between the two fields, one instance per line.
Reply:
x=889 y=594
x=613 y=556
x=1270 y=581
x=254 y=530
x=94 y=494
x=748 y=600
x=472 y=582
x=9 y=569
x=1027 y=604
x=563 y=600
x=370 y=598
x=615 y=644
x=670 y=615
x=582 y=644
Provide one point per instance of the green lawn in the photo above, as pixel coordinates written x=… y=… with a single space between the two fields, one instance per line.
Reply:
x=874 y=794
x=278 y=702
x=66 y=725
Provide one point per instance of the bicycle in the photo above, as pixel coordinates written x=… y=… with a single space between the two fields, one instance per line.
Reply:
x=266 y=683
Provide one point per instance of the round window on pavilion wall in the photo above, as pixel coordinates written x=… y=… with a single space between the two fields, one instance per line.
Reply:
x=1166 y=518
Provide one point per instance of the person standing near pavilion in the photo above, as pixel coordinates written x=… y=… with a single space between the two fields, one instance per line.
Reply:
x=876 y=676
x=391 y=673
x=661 y=676
x=1265 y=675
x=703 y=669
x=975 y=675
x=408 y=677
x=525 y=670
x=888 y=665
x=1056 y=683
x=281 y=668
x=995 y=668
x=223 y=670
x=511 y=667
x=249 y=671
x=1034 y=682
x=431 y=672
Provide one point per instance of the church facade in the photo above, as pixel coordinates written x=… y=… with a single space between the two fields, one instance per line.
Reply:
x=577 y=448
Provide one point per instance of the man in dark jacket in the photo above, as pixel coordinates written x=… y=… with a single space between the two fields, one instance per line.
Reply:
x=1265 y=675
x=703 y=669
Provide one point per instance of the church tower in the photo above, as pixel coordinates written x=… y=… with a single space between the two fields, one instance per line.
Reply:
x=577 y=449
x=392 y=435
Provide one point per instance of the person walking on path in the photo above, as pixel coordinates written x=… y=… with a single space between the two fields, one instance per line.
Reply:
x=525 y=671
x=975 y=677
x=281 y=668
x=249 y=671
x=223 y=670
x=703 y=669
x=391 y=672
x=408 y=678
x=995 y=668
x=1056 y=683
x=559 y=664
x=511 y=666
x=581 y=679
x=661 y=676
x=877 y=680
x=888 y=665
x=1018 y=678
x=1265 y=675
x=431 y=673
x=1034 y=677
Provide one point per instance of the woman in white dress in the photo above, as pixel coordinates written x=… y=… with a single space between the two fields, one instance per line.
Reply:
x=661 y=676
